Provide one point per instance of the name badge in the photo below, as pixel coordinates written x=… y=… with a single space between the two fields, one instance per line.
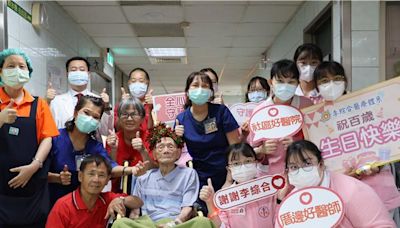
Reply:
x=78 y=160
x=210 y=125
x=238 y=211
x=13 y=131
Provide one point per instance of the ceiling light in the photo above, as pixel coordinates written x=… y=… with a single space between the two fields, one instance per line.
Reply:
x=165 y=52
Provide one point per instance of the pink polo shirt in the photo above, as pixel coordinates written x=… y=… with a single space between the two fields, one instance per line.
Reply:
x=257 y=214
x=363 y=207
x=276 y=161
x=384 y=185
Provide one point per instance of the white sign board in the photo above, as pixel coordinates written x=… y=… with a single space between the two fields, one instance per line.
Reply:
x=275 y=122
x=311 y=207
x=248 y=191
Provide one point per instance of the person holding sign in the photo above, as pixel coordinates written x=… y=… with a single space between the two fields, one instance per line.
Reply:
x=76 y=142
x=129 y=143
x=138 y=83
x=242 y=166
x=26 y=128
x=307 y=57
x=332 y=82
x=362 y=206
x=284 y=80
x=208 y=129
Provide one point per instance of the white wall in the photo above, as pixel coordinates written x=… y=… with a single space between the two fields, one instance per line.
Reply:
x=49 y=46
x=292 y=35
x=365 y=38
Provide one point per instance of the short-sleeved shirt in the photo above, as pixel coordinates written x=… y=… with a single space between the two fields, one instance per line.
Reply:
x=258 y=214
x=313 y=95
x=71 y=211
x=62 y=153
x=208 y=150
x=45 y=125
x=126 y=152
x=276 y=160
x=164 y=196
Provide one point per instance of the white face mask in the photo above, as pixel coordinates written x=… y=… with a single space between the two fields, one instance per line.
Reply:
x=15 y=77
x=242 y=173
x=306 y=73
x=284 y=91
x=138 y=89
x=305 y=179
x=78 y=78
x=332 y=90
x=257 y=96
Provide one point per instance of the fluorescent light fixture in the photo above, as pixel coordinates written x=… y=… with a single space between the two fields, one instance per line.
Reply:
x=165 y=52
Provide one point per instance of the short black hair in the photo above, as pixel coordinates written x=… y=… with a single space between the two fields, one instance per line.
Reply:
x=140 y=69
x=77 y=58
x=312 y=51
x=204 y=70
x=253 y=80
x=95 y=158
x=299 y=147
x=329 y=67
x=235 y=150
x=285 y=68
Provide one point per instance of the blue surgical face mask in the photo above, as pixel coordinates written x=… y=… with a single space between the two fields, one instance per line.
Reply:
x=138 y=89
x=199 y=96
x=15 y=77
x=257 y=96
x=86 y=124
x=284 y=91
x=78 y=78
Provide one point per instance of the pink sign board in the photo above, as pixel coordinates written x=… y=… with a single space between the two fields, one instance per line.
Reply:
x=275 y=122
x=248 y=191
x=311 y=207
x=167 y=107
x=242 y=111
x=358 y=128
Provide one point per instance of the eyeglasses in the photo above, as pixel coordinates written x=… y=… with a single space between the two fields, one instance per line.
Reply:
x=132 y=115
x=161 y=147
x=336 y=78
x=307 y=167
x=247 y=163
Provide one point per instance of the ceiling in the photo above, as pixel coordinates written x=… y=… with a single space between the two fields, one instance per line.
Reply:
x=229 y=37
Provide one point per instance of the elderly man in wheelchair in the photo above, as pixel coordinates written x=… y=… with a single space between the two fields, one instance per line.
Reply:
x=168 y=192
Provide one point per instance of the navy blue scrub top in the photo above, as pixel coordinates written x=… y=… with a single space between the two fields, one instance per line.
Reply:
x=62 y=152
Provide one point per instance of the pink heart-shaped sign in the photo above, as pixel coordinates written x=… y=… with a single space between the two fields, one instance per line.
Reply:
x=278 y=182
x=273 y=112
x=305 y=198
